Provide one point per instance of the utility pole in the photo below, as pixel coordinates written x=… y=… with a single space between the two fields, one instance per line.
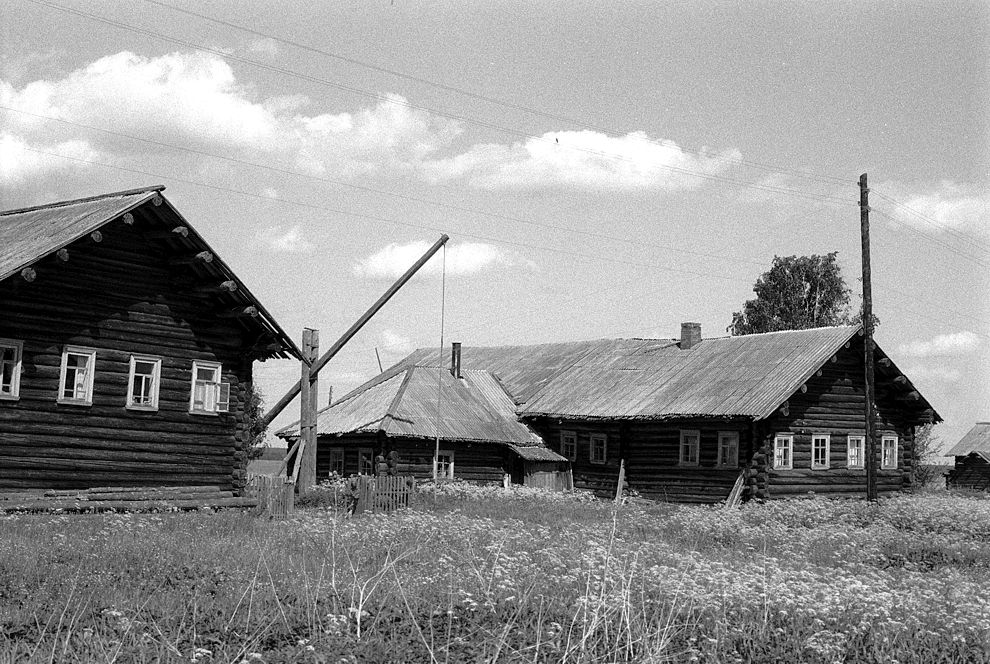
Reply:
x=871 y=435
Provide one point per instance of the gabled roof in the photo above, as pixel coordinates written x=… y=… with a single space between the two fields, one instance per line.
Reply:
x=28 y=235
x=976 y=441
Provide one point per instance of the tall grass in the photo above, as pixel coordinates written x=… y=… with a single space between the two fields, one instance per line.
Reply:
x=487 y=575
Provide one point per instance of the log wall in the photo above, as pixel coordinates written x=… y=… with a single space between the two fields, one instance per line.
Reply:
x=119 y=297
x=970 y=472
x=834 y=404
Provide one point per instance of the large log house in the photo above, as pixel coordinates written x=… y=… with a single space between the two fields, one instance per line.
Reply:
x=126 y=348
x=687 y=416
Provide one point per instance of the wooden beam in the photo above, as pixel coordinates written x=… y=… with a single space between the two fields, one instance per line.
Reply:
x=178 y=231
x=29 y=274
x=128 y=219
x=63 y=255
x=223 y=287
x=353 y=329
x=97 y=236
x=201 y=257
x=239 y=312
x=308 y=407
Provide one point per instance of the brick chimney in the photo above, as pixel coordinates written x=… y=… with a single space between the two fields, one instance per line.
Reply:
x=690 y=335
x=455 y=359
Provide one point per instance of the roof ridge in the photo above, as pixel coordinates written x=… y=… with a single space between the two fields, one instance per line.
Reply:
x=86 y=199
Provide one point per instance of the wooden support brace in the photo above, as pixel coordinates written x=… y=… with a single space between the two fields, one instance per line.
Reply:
x=29 y=274
x=239 y=312
x=201 y=257
x=63 y=255
x=223 y=287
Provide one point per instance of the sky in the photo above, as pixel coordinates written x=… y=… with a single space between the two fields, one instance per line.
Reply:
x=602 y=169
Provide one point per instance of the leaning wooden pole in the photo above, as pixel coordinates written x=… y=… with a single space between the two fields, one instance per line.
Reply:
x=307 y=412
x=358 y=324
x=871 y=437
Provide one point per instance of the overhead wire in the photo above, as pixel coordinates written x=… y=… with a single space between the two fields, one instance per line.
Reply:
x=967 y=238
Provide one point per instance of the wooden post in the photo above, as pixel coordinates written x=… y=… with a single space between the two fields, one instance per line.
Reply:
x=622 y=480
x=307 y=412
x=871 y=436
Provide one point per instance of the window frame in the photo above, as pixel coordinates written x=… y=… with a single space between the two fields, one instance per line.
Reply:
x=564 y=436
x=218 y=368
x=87 y=399
x=788 y=438
x=720 y=463
x=15 y=381
x=337 y=454
x=156 y=379
x=883 y=444
x=827 y=438
x=681 y=461
x=862 y=451
x=603 y=439
x=449 y=473
x=369 y=453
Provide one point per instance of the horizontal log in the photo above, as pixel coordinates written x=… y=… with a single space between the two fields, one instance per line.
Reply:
x=107 y=468
x=63 y=255
x=29 y=274
x=159 y=234
x=96 y=236
x=202 y=257
x=132 y=506
x=224 y=287
x=239 y=312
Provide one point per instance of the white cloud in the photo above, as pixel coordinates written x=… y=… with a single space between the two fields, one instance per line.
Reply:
x=20 y=161
x=270 y=192
x=934 y=374
x=945 y=206
x=264 y=45
x=395 y=342
x=286 y=240
x=582 y=159
x=462 y=259
x=957 y=343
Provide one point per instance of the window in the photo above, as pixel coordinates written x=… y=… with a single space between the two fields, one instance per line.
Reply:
x=599 y=447
x=366 y=461
x=143 y=382
x=75 y=385
x=888 y=456
x=854 y=452
x=690 y=444
x=337 y=462
x=445 y=465
x=10 y=368
x=728 y=449
x=820 y=443
x=568 y=444
x=783 y=447
x=209 y=395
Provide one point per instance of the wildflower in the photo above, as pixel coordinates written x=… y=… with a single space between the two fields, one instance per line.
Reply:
x=201 y=653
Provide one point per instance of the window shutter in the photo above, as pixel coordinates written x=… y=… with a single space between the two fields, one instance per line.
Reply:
x=223 y=401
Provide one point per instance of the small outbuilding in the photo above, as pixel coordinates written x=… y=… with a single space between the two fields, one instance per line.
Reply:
x=972 y=455
x=126 y=348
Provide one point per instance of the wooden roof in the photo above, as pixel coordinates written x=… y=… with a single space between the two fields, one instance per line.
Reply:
x=28 y=235
x=744 y=376
x=976 y=441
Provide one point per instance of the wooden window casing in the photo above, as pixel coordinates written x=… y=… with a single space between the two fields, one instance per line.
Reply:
x=208 y=395
x=76 y=375
x=568 y=445
x=728 y=449
x=366 y=461
x=783 y=451
x=444 y=469
x=143 y=382
x=337 y=462
x=599 y=448
x=820 y=451
x=888 y=452
x=690 y=448
x=11 y=359
x=856 y=452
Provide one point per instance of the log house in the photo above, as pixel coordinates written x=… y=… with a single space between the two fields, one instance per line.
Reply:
x=972 y=460
x=120 y=364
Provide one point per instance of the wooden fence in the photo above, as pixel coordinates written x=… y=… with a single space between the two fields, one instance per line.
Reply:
x=275 y=494
x=384 y=493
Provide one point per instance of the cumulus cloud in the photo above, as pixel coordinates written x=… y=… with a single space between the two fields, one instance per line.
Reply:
x=582 y=159
x=935 y=374
x=290 y=241
x=946 y=206
x=462 y=259
x=956 y=343
x=20 y=161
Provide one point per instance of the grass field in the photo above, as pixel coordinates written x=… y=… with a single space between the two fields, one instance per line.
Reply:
x=480 y=575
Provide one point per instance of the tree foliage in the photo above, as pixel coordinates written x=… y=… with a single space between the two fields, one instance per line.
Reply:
x=796 y=293
x=927 y=453
x=254 y=412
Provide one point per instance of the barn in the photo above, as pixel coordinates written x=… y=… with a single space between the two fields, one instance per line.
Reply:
x=972 y=455
x=126 y=348
x=688 y=418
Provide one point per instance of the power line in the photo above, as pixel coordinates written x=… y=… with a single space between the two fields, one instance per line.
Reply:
x=365 y=188
x=471 y=94
x=942 y=243
x=934 y=224
x=391 y=100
